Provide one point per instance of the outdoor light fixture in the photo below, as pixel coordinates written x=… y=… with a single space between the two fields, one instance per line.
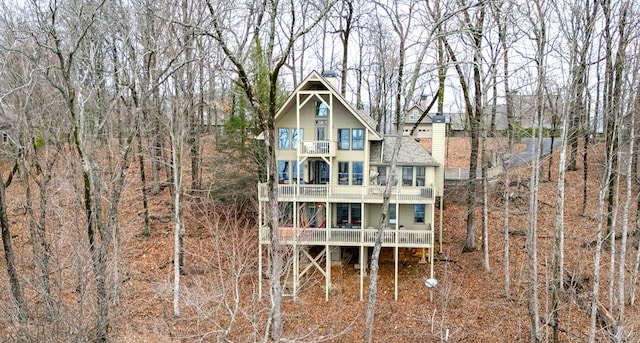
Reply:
x=430 y=282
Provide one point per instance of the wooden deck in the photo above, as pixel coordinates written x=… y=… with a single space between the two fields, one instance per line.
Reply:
x=340 y=193
x=350 y=237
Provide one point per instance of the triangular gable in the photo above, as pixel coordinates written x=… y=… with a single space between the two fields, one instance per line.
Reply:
x=314 y=76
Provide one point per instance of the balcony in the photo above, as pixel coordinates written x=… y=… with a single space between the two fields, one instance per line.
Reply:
x=340 y=193
x=317 y=149
x=406 y=238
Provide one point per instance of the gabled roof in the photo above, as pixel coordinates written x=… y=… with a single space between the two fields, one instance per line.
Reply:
x=411 y=152
x=314 y=81
x=425 y=120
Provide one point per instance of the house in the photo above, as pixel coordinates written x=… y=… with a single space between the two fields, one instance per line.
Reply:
x=333 y=168
x=525 y=112
x=424 y=126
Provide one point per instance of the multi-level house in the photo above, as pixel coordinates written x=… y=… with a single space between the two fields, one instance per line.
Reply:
x=333 y=167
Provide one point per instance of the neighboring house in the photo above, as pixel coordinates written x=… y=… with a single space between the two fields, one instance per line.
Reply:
x=424 y=127
x=456 y=122
x=525 y=111
x=525 y=108
x=333 y=168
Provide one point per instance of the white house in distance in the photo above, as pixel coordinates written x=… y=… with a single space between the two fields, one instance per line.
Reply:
x=424 y=127
x=333 y=168
x=525 y=111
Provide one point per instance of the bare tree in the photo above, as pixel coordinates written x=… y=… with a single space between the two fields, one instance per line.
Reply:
x=9 y=255
x=537 y=18
x=81 y=86
x=500 y=17
x=473 y=24
x=400 y=19
x=263 y=25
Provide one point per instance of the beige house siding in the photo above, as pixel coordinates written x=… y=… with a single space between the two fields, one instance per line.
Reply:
x=307 y=200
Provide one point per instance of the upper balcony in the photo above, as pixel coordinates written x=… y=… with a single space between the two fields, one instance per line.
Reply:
x=317 y=149
x=342 y=193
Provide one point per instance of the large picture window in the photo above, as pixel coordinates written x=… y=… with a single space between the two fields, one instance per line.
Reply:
x=296 y=137
x=284 y=141
x=322 y=110
x=343 y=139
x=357 y=139
x=283 y=171
x=357 y=172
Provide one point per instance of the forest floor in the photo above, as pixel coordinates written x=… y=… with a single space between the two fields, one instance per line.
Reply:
x=469 y=303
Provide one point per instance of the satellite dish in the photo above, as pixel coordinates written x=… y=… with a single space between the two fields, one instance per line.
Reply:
x=430 y=282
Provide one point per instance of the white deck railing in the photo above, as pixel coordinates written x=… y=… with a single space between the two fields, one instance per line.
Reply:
x=317 y=148
x=349 y=237
x=290 y=192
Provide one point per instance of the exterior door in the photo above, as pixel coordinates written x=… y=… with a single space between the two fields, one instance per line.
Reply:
x=320 y=172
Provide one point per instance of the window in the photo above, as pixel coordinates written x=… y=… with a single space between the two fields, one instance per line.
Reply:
x=418 y=213
x=392 y=214
x=283 y=171
x=296 y=137
x=414 y=115
x=320 y=133
x=356 y=215
x=342 y=213
x=357 y=172
x=420 y=176
x=349 y=215
x=343 y=173
x=283 y=139
x=297 y=171
x=357 y=139
x=407 y=176
x=321 y=109
x=343 y=139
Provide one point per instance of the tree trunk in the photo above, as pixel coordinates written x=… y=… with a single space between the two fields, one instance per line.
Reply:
x=485 y=209
x=619 y=335
x=377 y=247
x=12 y=271
x=502 y=36
x=146 y=230
x=558 y=237
x=539 y=23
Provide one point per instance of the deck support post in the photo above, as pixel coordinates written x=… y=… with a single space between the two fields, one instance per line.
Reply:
x=395 y=280
x=327 y=280
x=296 y=270
x=259 y=269
x=440 y=229
x=363 y=265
